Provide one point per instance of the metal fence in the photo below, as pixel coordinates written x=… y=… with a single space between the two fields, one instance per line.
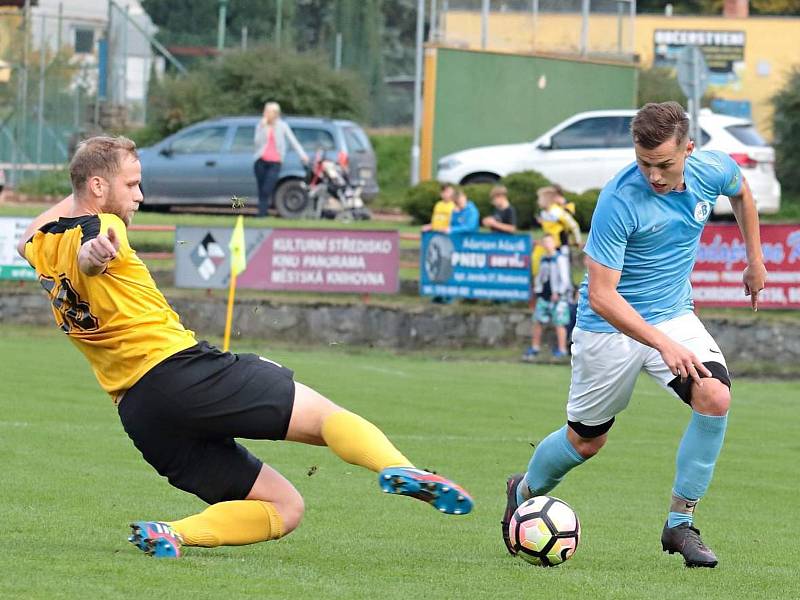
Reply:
x=590 y=28
x=68 y=70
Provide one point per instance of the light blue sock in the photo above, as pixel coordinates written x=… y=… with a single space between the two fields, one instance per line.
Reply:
x=697 y=455
x=552 y=459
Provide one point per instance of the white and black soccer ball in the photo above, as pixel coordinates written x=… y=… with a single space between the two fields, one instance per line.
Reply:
x=545 y=531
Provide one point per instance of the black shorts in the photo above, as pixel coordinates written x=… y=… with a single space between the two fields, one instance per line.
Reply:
x=184 y=413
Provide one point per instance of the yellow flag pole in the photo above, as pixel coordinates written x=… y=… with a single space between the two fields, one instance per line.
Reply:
x=238 y=254
x=229 y=318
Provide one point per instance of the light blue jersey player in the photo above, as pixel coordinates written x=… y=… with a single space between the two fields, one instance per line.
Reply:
x=635 y=314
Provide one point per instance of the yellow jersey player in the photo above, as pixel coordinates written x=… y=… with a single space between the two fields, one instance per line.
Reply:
x=181 y=402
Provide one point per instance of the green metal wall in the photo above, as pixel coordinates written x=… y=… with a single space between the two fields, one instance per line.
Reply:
x=487 y=98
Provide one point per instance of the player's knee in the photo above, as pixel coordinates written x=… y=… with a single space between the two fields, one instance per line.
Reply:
x=588 y=447
x=291 y=510
x=714 y=398
x=586 y=443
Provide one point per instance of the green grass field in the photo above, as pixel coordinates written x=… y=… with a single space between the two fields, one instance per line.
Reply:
x=72 y=481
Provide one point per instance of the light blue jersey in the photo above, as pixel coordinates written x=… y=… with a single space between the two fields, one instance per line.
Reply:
x=652 y=238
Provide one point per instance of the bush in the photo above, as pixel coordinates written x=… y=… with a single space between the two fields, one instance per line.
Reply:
x=240 y=82
x=393 y=154
x=479 y=194
x=786 y=127
x=145 y=136
x=47 y=183
x=584 y=206
x=419 y=201
x=660 y=84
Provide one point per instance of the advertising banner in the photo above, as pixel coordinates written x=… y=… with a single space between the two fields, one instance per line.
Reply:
x=319 y=260
x=721 y=258
x=488 y=266
x=722 y=50
x=12 y=265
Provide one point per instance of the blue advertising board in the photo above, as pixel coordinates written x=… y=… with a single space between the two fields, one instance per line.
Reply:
x=484 y=266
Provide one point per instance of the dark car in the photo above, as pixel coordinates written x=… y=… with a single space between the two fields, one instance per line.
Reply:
x=211 y=161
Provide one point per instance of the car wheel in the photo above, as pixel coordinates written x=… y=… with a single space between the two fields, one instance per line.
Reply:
x=480 y=178
x=291 y=199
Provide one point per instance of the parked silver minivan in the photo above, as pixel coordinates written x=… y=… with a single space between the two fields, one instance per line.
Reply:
x=211 y=161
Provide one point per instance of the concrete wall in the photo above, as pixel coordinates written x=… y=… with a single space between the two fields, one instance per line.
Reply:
x=751 y=345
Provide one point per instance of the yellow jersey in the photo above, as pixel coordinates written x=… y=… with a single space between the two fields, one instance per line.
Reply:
x=556 y=220
x=119 y=319
x=442 y=212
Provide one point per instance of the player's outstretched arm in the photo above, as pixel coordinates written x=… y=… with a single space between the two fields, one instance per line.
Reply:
x=53 y=213
x=607 y=302
x=94 y=255
x=755 y=274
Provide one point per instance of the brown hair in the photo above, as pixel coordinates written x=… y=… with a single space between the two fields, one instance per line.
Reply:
x=655 y=123
x=498 y=190
x=548 y=193
x=99 y=156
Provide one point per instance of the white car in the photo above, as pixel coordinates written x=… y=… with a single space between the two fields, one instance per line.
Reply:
x=589 y=148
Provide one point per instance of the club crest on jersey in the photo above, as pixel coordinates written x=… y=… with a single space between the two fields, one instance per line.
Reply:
x=701 y=211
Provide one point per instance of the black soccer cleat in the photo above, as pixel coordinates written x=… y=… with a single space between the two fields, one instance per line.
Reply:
x=685 y=540
x=511 y=506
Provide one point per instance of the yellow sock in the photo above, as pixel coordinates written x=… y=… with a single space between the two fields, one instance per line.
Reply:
x=233 y=523
x=359 y=442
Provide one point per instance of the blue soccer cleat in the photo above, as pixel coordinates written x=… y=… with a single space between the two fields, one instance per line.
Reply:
x=156 y=539
x=437 y=491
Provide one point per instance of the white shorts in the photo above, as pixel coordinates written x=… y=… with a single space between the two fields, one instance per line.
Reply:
x=605 y=367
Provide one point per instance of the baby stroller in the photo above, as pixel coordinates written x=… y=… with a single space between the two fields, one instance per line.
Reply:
x=332 y=194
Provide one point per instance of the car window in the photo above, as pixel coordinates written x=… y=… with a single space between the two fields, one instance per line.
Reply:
x=312 y=139
x=620 y=135
x=746 y=134
x=200 y=141
x=595 y=132
x=355 y=142
x=243 y=139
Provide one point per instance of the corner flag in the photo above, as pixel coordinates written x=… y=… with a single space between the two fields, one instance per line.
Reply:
x=238 y=250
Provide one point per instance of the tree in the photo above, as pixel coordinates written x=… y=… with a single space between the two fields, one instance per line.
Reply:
x=240 y=82
x=659 y=84
x=194 y=22
x=786 y=127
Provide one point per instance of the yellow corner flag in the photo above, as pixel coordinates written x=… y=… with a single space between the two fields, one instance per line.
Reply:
x=238 y=248
x=238 y=251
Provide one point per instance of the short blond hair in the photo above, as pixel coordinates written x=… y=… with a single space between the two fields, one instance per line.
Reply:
x=99 y=156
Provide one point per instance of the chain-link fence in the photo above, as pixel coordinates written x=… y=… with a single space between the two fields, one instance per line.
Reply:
x=68 y=69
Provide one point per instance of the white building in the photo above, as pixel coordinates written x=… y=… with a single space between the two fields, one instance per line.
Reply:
x=82 y=24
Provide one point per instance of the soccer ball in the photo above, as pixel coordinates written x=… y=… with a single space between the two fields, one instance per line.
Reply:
x=545 y=531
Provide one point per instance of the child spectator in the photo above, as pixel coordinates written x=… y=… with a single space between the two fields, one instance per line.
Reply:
x=552 y=287
x=504 y=218
x=442 y=210
x=465 y=217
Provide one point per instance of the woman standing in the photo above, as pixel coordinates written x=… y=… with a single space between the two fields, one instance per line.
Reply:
x=271 y=136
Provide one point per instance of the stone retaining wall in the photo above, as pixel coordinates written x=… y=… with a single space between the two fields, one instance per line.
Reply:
x=748 y=341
